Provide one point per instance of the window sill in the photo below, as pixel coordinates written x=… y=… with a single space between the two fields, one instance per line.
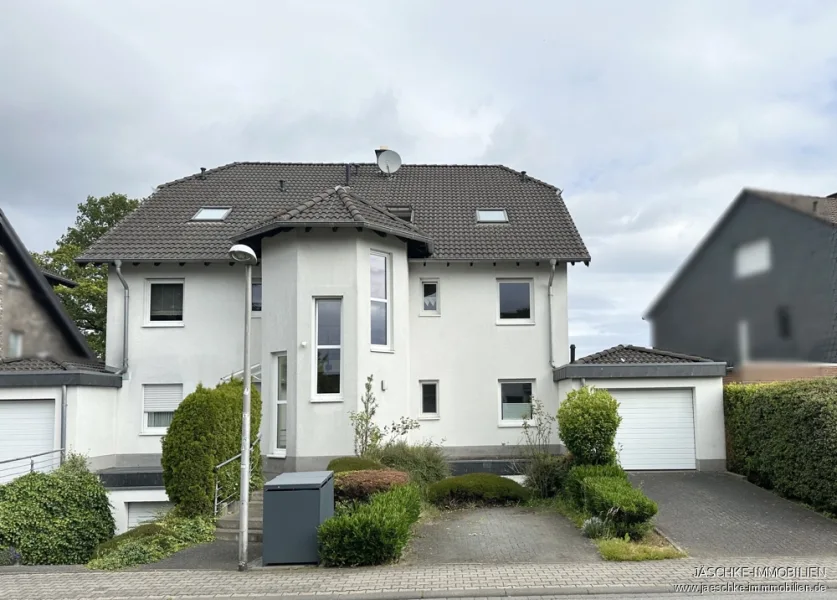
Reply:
x=381 y=349
x=508 y=322
x=256 y=314
x=511 y=424
x=154 y=433
x=429 y=418
x=278 y=454
x=326 y=399
x=430 y=314
x=163 y=324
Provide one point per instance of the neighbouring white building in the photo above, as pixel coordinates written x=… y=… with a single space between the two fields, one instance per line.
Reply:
x=446 y=283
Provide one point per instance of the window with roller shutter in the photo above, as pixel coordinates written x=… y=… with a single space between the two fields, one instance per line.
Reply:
x=159 y=402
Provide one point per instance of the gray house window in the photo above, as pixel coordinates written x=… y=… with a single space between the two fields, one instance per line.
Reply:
x=515 y=301
x=257 y=294
x=328 y=336
x=166 y=302
x=783 y=321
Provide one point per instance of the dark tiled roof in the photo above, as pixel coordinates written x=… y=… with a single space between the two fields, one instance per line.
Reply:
x=444 y=199
x=27 y=365
x=55 y=279
x=823 y=208
x=637 y=355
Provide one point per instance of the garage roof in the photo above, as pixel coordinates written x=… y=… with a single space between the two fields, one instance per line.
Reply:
x=629 y=361
x=46 y=372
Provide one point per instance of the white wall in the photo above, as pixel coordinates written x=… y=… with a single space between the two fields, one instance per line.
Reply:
x=468 y=352
x=91 y=420
x=120 y=498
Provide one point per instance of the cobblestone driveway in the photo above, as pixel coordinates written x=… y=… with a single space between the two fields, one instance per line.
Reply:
x=499 y=536
x=718 y=514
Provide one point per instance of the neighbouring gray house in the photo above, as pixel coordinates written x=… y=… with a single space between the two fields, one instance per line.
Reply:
x=759 y=287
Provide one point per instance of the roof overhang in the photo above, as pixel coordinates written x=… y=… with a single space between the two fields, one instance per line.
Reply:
x=639 y=371
x=18 y=379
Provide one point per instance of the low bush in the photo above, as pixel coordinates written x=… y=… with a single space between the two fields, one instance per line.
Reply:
x=359 y=486
x=204 y=432
x=9 y=557
x=596 y=528
x=374 y=533
x=573 y=485
x=783 y=436
x=587 y=422
x=476 y=488
x=616 y=501
x=545 y=474
x=152 y=542
x=353 y=463
x=425 y=462
x=56 y=518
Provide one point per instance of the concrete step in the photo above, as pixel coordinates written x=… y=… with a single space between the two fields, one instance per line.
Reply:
x=231 y=535
x=232 y=523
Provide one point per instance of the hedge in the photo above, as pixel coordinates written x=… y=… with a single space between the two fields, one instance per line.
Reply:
x=783 y=436
x=353 y=463
x=372 y=534
x=476 y=488
x=573 y=485
x=56 y=518
x=425 y=462
x=205 y=431
x=587 y=422
x=362 y=485
x=615 y=500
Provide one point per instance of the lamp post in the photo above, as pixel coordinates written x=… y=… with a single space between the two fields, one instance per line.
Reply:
x=245 y=254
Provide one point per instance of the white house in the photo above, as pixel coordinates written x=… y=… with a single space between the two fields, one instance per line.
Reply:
x=446 y=283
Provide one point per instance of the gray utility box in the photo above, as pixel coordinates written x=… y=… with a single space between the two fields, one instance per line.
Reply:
x=295 y=504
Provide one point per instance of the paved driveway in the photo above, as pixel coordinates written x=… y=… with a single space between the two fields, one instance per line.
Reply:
x=718 y=514
x=502 y=535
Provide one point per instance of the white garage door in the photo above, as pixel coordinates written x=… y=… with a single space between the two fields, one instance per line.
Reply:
x=26 y=427
x=657 y=430
x=142 y=512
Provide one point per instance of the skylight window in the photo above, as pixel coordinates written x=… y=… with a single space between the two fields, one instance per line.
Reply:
x=492 y=215
x=212 y=213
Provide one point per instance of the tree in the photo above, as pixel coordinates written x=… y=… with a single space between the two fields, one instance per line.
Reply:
x=87 y=304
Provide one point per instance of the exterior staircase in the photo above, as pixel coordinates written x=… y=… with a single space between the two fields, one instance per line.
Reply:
x=227 y=525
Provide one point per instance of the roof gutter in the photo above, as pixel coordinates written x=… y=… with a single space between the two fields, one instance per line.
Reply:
x=124 y=368
x=552 y=263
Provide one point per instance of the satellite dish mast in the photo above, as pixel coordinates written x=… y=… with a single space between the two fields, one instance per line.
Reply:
x=388 y=161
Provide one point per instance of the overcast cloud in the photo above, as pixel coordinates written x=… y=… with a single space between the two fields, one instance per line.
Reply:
x=650 y=115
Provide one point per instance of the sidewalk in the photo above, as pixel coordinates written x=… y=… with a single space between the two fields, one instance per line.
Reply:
x=413 y=582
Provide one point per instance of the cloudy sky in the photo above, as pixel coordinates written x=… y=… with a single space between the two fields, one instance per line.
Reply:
x=651 y=115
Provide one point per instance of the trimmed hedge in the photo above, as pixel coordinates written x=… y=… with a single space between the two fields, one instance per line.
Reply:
x=783 y=436
x=476 y=488
x=205 y=431
x=587 y=422
x=353 y=463
x=616 y=501
x=426 y=463
x=573 y=486
x=56 y=518
x=372 y=534
x=362 y=485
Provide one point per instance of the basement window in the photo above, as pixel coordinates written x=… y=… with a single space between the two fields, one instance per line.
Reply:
x=492 y=215
x=212 y=213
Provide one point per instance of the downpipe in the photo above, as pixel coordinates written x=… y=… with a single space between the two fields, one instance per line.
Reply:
x=126 y=304
x=552 y=263
x=63 y=455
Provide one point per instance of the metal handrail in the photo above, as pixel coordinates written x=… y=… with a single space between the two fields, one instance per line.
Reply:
x=43 y=460
x=217 y=502
x=8 y=460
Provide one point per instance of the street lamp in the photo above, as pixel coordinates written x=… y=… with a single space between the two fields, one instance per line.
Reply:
x=245 y=254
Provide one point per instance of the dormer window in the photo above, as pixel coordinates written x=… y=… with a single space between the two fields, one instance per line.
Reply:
x=212 y=213
x=492 y=215
x=405 y=213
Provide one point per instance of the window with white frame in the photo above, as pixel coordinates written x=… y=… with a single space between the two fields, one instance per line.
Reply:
x=15 y=344
x=516 y=400
x=159 y=401
x=752 y=258
x=212 y=213
x=12 y=276
x=379 y=291
x=328 y=337
x=430 y=297
x=281 y=403
x=257 y=294
x=515 y=300
x=492 y=215
x=429 y=399
x=164 y=302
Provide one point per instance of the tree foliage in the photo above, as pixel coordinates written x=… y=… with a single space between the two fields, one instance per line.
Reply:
x=87 y=303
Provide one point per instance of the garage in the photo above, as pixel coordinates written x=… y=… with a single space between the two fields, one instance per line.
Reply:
x=657 y=430
x=143 y=512
x=671 y=405
x=27 y=427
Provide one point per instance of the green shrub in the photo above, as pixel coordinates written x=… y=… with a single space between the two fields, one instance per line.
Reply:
x=476 y=488
x=546 y=473
x=151 y=542
x=783 y=436
x=425 y=462
x=205 y=431
x=56 y=518
x=374 y=533
x=616 y=501
x=353 y=463
x=360 y=486
x=573 y=485
x=587 y=422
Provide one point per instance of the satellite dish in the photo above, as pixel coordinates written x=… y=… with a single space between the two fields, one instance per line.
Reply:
x=389 y=162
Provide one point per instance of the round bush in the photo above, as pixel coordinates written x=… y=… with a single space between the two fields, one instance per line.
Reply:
x=56 y=518
x=426 y=463
x=587 y=422
x=205 y=431
x=545 y=474
x=353 y=463
x=476 y=488
x=361 y=485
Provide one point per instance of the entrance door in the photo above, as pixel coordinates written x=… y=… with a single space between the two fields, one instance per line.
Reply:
x=281 y=412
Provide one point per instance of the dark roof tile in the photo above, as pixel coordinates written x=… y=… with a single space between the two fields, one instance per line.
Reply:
x=626 y=354
x=21 y=365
